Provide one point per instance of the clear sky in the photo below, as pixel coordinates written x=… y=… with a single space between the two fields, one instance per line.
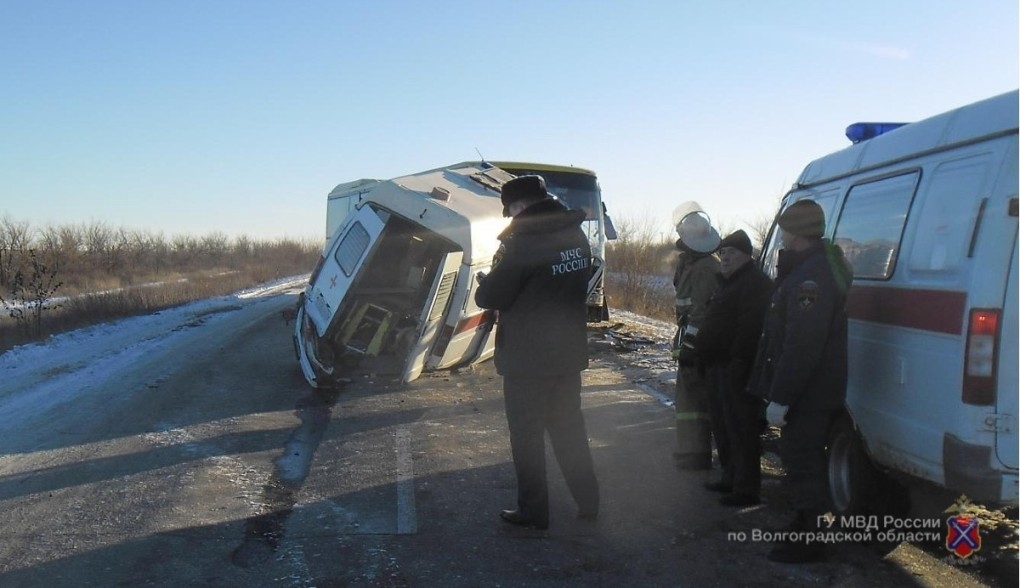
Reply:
x=239 y=116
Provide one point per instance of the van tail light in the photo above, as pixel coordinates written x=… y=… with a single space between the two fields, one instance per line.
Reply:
x=981 y=356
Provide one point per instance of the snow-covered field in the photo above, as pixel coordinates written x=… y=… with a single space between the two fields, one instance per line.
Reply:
x=36 y=376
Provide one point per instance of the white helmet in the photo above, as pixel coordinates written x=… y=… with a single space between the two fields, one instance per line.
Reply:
x=694 y=228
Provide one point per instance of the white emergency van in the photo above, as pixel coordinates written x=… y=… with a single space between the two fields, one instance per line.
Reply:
x=574 y=187
x=926 y=213
x=393 y=293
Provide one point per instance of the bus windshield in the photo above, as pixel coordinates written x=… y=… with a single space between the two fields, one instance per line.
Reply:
x=579 y=191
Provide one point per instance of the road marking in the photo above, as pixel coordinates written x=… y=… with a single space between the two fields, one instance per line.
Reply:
x=662 y=398
x=407 y=522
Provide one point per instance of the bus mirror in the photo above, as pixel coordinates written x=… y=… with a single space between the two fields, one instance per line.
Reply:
x=610 y=229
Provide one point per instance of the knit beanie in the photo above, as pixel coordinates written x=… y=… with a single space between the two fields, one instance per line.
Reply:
x=739 y=241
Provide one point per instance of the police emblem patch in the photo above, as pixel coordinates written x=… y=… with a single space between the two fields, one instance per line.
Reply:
x=807 y=295
x=498 y=256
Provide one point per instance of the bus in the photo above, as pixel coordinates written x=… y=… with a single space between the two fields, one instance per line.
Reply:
x=578 y=188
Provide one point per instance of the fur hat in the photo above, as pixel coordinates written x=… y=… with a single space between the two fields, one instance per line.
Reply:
x=697 y=233
x=803 y=218
x=739 y=241
x=522 y=188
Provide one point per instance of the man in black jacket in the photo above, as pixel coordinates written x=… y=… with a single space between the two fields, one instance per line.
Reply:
x=726 y=343
x=801 y=367
x=539 y=285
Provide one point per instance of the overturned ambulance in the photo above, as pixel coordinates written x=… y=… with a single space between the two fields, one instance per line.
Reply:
x=393 y=293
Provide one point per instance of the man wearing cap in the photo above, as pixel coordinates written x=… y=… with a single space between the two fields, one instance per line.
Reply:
x=801 y=368
x=727 y=342
x=696 y=279
x=539 y=285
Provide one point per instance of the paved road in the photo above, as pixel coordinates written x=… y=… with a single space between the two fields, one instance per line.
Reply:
x=210 y=463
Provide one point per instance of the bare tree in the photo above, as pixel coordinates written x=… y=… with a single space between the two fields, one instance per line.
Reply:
x=636 y=263
x=243 y=246
x=759 y=228
x=15 y=239
x=31 y=292
x=215 y=246
x=98 y=239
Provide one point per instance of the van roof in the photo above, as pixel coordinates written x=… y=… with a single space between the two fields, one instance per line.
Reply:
x=968 y=124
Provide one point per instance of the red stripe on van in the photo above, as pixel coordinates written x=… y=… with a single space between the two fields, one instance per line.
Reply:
x=471 y=322
x=929 y=310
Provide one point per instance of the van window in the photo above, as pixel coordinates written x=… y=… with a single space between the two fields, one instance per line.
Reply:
x=871 y=224
x=351 y=248
x=770 y=252
x=948 y=214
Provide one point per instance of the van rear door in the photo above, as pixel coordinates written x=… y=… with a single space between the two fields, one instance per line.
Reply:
x=1006 y=403
x=433 y=313
x=345 y=257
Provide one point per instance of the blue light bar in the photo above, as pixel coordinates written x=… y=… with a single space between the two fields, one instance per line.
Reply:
x=863 y=131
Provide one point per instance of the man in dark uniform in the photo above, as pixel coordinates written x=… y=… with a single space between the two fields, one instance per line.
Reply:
x=726 y=343
x=802 y=366
x=539 y=283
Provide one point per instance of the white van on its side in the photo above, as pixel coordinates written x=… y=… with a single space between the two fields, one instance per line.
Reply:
x=927 y=215
x=393 y=293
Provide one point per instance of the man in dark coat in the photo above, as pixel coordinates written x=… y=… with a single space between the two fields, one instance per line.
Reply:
x=539 y=284
x=726 y=343
x=802 y=365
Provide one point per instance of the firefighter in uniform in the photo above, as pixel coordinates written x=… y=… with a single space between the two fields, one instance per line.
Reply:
x=539 y=285
x=696 y=279
x=801 y=368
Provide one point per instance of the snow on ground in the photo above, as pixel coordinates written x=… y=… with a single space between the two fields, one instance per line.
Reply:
x=661 y=330
x=36 y=376
x=646 y=343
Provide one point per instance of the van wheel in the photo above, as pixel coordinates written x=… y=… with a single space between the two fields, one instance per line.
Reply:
x=856 y=486
x=853 y=480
